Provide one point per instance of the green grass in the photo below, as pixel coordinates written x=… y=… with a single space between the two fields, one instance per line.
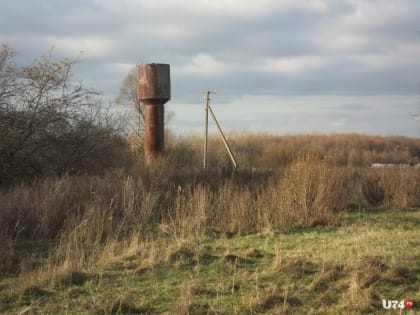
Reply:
x=346 y=269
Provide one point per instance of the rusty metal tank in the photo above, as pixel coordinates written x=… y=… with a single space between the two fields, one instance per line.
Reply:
x=154 y=90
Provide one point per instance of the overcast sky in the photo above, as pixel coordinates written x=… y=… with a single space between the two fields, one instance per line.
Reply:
x=279 y=66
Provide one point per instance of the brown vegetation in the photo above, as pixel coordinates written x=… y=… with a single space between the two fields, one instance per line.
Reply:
x=84 y=212
x=73 y=190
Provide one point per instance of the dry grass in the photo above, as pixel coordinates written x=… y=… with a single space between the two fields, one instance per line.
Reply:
x=58 y=230
x=345 y=270
x=82 y=214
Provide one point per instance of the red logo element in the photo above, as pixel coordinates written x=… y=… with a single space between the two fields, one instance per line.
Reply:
x=409 y=303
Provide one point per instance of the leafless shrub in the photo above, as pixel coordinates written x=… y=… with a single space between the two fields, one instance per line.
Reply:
x=401 y=188
x=310 y=193
x=373 y=189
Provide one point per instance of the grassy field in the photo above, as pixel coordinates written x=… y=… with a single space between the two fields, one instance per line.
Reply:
x=344 y=269
x=304 y=227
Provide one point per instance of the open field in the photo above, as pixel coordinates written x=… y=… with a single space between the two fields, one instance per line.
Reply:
x=304 y=227
x=345 y=269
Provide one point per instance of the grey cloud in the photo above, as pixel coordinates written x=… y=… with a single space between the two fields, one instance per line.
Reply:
x=311 y=114
x=364 y=55
x=57 y=18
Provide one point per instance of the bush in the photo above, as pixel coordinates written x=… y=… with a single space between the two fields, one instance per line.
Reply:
x=373 y=189
x=402 y=189
x=310 y=193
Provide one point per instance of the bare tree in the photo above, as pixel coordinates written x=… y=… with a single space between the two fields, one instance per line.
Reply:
x=48 y=123
x=8 y=77
x=128 y=97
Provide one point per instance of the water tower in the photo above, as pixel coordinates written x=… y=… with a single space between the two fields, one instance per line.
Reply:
x=154 y=90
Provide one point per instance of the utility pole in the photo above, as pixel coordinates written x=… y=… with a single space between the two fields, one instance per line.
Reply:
x=206 y=131
x=225 y=142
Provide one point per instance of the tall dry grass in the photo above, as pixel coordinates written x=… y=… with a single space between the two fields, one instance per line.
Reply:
x=392 y=188
x=80 y=216
x=311 y=193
